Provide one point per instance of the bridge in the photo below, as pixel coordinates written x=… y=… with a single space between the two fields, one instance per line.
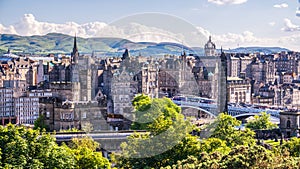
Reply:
x=235 y=111
x=109 y=140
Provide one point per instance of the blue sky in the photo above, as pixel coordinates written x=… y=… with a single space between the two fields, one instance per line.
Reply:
x=264 y=20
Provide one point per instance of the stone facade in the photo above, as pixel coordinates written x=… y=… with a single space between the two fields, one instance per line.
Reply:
x=239 y=90
x=26 y=109
x=210 y=48
x=7 y=113
x=290 y=123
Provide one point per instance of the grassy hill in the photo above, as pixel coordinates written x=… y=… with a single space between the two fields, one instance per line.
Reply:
x=60 y=43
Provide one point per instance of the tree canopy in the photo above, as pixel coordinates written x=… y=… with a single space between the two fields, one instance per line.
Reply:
x=168 y=139
x=28 y=148
x=261 y=122
x=224 y=128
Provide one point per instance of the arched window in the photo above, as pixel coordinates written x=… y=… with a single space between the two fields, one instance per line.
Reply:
x=288 y=124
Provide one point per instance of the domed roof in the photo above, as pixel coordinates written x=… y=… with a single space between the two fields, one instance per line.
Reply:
x=210 y=44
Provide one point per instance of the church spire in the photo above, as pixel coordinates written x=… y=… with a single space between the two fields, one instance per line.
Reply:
x=75 y=54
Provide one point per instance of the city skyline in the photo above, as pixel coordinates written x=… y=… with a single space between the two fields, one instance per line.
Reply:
x=231 y=23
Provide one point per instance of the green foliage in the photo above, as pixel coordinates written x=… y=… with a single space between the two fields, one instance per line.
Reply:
x=27 y=148
x=211 y=145
x=272 y=143
x=155 y=115
x=224 y=128
x=261 y=122
x=168 y=139
x=87 y=127
x=70 y=130
x=293 y=146
x=86 y=155
x=85 y=142
x=39 y=123
x=227 y=147
x=60 y=43
x=252 y=157
x=247 y=157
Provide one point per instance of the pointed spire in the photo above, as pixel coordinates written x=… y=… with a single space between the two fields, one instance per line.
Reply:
x=74 y=54
x=125 y=54
x=75 y=44
x=209 y=38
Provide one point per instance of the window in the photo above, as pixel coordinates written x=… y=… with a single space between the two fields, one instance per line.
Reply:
x=288 y=124
x=83 y=115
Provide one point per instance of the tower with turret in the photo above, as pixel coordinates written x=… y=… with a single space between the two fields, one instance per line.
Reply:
x=210 y=48
x=223 y=95
x=75 y=72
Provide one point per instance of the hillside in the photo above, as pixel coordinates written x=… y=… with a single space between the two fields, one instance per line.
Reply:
x=60 y=43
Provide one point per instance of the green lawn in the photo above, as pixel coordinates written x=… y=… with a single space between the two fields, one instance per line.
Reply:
x=272 y=142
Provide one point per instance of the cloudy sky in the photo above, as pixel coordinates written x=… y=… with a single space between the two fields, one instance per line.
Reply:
x=231 y=23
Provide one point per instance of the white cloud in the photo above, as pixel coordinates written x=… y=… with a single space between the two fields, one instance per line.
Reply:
x=272 y=23
x=224 y=2
x=248 y=38
x=283 y=5
x=7 y=30
x=289 y=26
x=28 y=25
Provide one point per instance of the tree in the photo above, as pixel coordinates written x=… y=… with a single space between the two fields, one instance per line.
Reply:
x=224 y=128
x=167 y=140
x=247 y=157
x=39 y=123
x=85 y=153
x=87 y=127
x=261 y=122
x=27 y=148
x=292 y=146
x=211 y=145
x=155 y=115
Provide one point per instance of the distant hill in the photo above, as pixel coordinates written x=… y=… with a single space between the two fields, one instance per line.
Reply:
x=266 y=50
x=60 y=43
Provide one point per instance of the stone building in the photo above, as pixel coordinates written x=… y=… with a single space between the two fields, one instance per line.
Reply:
x=63 y=115
x=287 y=95
x=290 y=123
x=210 y=48
x=168 y=86
x=286 y=62
x=87 y=116
x=235 y=66
x=245 y=65
x=239 y=90
x=74 y=100
x=26 y=109
x=222 y=99
x=266 y=95
x=7 y=113
x=288 y=77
